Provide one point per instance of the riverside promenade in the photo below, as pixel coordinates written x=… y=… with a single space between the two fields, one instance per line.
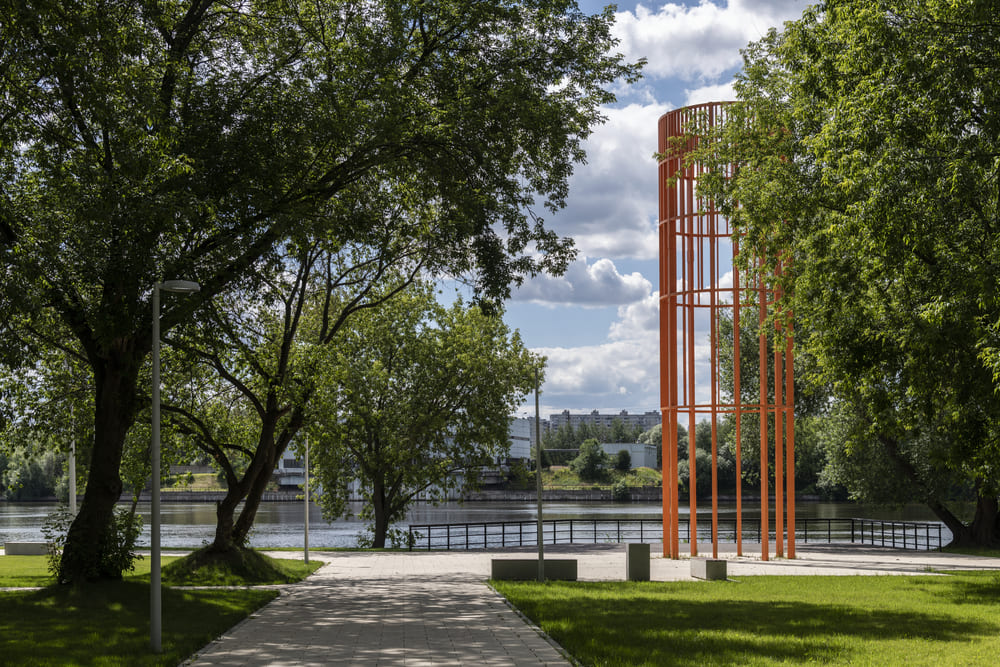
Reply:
x=434 y=608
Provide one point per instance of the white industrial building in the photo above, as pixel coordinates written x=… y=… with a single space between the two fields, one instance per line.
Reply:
x=643 y=456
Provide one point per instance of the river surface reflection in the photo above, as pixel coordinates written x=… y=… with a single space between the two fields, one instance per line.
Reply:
x=282 y=524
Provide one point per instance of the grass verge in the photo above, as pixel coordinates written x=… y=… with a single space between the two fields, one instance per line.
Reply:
x=898 y=620
x=974 y=551
x=108 y=623
x=32 y=571
x=240 y=567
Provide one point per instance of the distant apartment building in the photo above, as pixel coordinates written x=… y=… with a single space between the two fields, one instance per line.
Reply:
x=646 y=420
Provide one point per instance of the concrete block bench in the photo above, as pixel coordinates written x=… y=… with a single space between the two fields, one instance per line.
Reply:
x=710 y=569
x=26 y=548
x=526 y=569
x=637 y=562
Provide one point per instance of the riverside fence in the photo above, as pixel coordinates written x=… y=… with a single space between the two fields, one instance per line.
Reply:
x=915 y=535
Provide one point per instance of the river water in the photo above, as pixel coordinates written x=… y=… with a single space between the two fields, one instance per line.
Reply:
x=281 y=524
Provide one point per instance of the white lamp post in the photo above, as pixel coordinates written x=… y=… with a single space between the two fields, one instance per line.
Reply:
x=179 y=287
x=305 y=536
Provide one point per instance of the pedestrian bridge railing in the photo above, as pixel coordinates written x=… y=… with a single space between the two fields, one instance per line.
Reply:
x=500 y=534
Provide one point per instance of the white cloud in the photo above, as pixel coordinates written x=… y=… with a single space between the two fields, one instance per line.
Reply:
x=701 y=41
x=613 y=209
x=584 y=284
x=637 y=321
x=718 y=93
x=621 y=372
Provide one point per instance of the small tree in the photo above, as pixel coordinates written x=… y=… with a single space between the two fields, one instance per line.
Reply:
x=418 y=398
x=592 y=462
x=623 y=461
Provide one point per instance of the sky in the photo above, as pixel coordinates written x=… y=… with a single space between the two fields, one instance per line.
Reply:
x=598 y=323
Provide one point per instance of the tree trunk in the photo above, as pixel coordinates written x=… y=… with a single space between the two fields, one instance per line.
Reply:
x=225 y=510
x=983 y=531
x=232 y=532
x=257 y=486
x=83 y=557
x=380 y=511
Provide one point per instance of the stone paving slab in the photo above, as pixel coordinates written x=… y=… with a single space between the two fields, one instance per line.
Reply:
x=379 y=609
x=433 y=608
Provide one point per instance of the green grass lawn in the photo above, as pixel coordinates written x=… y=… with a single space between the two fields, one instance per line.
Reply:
x=865 y=620
x=31 y=571
x=108 y=624
x=20 y=571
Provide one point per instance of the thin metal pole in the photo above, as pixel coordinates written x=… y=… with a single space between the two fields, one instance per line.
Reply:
x=305 y=536
x=155 y=607
x=762 y=357
x=72 y=461
x=155 y=621
x=538 y=478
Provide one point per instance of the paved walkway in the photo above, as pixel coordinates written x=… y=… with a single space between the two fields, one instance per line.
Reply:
x=407 y=609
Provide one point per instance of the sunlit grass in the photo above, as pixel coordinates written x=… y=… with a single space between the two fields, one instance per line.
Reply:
x=19 y=571
x=561 y=477
x=242 y=567
x=32 y=571
x=891 y=620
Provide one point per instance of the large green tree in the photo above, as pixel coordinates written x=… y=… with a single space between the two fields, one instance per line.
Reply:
x=865 y=144
x=189 y=138
x=417 y=398
x=256 y=355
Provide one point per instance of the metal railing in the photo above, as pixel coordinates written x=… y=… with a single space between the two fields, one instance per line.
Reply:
x=501 y=534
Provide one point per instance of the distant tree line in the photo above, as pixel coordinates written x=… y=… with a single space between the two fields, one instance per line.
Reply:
x=559 y=446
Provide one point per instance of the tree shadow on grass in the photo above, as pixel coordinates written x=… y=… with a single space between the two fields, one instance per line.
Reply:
x=644 y=630
x=108 y=623
x=962 y=587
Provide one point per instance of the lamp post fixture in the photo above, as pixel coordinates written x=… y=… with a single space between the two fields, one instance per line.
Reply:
x=155 y=623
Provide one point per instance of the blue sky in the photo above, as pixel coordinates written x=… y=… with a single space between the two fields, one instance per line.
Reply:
x=598 y=323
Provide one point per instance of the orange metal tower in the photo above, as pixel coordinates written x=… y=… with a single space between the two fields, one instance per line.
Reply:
x=699 y=285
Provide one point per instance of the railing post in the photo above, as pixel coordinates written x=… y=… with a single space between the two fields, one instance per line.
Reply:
x=448 y=540
x=829 y=531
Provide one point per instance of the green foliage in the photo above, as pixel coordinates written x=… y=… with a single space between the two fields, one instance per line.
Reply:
x=865 y=144
x=623 y=461
x=620 y=491
x=416 y=394
x=147 y=141
x=396 y=537
x=568 y=437
x=118 y=552
x=592 y=462
x=564 y=478
x=31 y=476
x=767 y=620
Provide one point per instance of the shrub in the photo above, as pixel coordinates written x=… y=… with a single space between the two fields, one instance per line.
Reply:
x=118 y=553
x=623 y=461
